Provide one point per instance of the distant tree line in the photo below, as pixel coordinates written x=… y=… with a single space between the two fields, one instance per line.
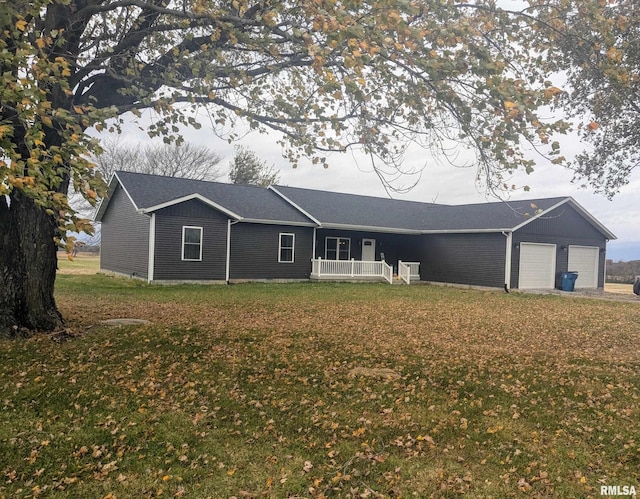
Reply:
x=624 y=272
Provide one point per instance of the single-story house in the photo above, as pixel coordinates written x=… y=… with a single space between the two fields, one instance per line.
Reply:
x=165 y=229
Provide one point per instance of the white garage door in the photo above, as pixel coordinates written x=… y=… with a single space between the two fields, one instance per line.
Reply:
x=584 y=261
x=537 y=266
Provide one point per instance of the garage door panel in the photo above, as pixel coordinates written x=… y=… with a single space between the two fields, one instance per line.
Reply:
x=584 y=260
x=537 y=266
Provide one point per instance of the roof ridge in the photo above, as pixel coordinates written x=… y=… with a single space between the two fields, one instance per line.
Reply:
x=369 y=196
x=185 y=179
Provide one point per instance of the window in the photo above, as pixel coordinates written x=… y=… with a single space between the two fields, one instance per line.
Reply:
x=337 y=248
x=286 y=249
x=192 y=243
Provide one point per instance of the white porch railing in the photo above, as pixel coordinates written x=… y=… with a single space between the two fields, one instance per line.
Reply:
x=350 y=269
x=408 y=271
x=387 y=272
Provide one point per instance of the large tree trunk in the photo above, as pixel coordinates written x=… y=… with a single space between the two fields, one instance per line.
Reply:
x=27 y=267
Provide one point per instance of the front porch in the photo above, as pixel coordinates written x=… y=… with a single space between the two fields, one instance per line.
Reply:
x=363 y=270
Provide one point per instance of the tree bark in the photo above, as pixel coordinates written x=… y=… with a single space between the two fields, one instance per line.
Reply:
x=27 y=267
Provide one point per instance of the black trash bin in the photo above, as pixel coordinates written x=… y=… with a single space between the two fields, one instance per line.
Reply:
x=569 y=280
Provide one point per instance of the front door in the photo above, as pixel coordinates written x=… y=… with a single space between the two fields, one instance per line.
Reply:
x=368 y=250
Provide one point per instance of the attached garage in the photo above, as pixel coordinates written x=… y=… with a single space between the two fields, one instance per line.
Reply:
x=584 y=260
x=537 y=266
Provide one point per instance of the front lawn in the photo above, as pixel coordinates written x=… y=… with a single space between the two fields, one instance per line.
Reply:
x=314 y=390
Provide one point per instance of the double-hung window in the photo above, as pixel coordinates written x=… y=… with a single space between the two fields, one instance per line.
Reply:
x=191 y=243
x=286 y=247
x=337 y=248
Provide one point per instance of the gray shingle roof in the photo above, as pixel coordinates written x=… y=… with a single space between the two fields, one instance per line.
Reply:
x=331 y=209
x=249 y=202
x=335 y=209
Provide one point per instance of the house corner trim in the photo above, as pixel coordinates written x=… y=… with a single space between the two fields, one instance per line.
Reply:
x=152 y=246
x=227 y=264
x=507 y=259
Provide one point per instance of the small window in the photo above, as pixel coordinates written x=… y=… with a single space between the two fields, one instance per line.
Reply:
x=192 y=243
x=287 y=246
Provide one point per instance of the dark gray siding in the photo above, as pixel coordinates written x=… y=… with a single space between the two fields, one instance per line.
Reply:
x=473 y=259
x=168 y=263
x=125 y=237
x=254 y=252
x=562 y=227
x=394 y=246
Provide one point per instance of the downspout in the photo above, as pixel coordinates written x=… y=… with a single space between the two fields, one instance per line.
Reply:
x=313 y=251
x=313 y=243
x=152 y=247
x=604 y=267
x=507 y=260
x=228 y=263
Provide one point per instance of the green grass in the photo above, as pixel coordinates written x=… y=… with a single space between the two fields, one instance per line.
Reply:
x=247 y=391
x=83 y=263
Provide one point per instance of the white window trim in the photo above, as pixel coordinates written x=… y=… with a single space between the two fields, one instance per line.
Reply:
x=293 y=247
x=338 y=239
x=199 y=259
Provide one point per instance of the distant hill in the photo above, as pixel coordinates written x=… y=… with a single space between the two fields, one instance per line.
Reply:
x=624 y=272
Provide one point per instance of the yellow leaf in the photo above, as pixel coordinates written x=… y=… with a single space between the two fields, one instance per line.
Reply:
x=552 y=92
x=21 y=24
x=509 y=105
x=426 y=438
x=358 y=432
x=614 y=54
